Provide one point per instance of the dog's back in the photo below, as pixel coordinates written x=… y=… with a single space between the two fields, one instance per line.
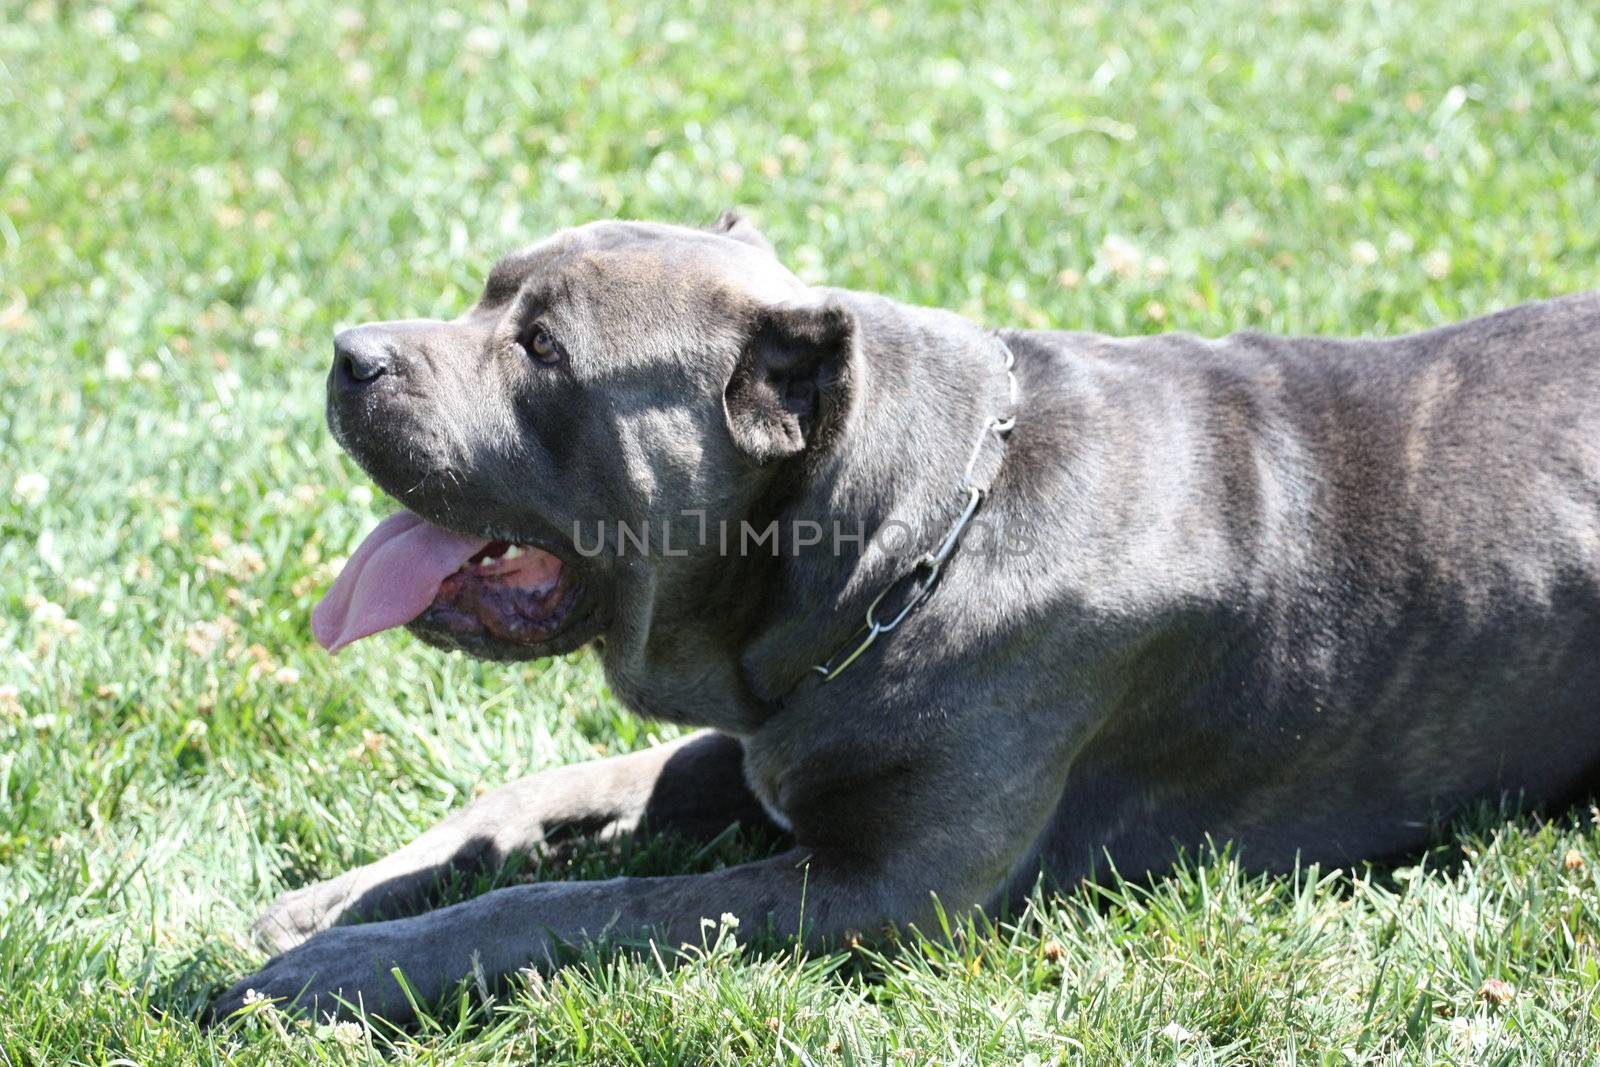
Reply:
x=1380 y=593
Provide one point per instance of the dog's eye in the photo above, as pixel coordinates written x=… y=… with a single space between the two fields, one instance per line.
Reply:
x=541 y=346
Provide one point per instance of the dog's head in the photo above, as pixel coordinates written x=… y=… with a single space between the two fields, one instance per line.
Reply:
x=616 y=377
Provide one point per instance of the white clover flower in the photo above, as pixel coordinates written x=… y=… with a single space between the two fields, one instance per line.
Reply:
x=1472 y=1034
x=102 y=21
x=264 y=103
x=49 y=615
x=1120 y=256
x=286 y=676
x=202 y=638
x=484 y=40
x=1364 y=252
x=30 y=488
x=262 y=1003
x=1437 y=264
x=1176 y=1033
x=117 y=366
x=348 y=1033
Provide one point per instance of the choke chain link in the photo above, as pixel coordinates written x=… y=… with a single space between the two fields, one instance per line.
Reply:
x=925 y=574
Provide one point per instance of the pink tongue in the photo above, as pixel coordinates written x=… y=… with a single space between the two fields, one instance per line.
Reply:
x=391 y=579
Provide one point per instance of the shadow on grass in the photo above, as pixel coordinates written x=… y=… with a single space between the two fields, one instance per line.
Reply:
x=181 y=989
x=184 y=987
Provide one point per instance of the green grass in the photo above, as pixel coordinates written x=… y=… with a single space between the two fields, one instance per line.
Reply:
x=192 y=200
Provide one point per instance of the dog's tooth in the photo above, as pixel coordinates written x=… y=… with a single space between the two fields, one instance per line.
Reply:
x=513 y=552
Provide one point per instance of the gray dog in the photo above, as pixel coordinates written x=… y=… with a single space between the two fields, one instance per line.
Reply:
x=958 y=608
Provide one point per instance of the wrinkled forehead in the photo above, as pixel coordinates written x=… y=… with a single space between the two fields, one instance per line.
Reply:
x=632 y=268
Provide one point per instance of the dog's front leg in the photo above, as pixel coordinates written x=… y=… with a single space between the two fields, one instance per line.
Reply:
x=520 y=926
x=870 y=849
x=694 y=786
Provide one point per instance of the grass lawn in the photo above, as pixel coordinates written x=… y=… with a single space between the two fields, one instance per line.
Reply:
x=192 y=199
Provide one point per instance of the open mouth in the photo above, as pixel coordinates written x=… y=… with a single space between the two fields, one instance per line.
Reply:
x=497 y=598
x=505 y=592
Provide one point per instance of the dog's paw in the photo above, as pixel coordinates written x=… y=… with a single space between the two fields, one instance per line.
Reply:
x=301 y=913
x=339 y=973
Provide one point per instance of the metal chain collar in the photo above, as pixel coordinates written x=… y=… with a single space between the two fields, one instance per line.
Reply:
x=922 y=577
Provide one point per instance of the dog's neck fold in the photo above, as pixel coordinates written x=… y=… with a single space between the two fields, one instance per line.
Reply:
x=929 y=382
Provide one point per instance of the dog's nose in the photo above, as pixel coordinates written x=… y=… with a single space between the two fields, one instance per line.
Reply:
x=361 y=356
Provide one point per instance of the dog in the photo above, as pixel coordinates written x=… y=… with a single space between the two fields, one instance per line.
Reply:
x=957 y=609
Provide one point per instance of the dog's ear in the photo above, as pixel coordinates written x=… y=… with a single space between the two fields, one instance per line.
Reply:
x=734 y=225
x=791 y=387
